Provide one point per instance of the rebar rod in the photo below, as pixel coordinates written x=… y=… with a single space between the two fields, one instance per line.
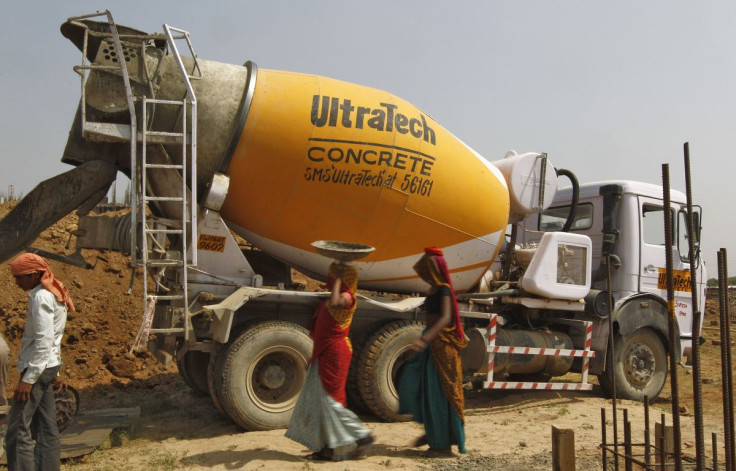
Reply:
x=696 y=320
x=646 y=430
x=609 y=358
x=671 y=320
x=604 y=446
x=627 y=442
x=726 y=383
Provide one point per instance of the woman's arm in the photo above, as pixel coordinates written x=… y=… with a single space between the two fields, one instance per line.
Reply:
x=339 y=300
x=443 y=321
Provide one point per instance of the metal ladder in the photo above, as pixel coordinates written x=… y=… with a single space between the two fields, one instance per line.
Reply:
x=152 y=229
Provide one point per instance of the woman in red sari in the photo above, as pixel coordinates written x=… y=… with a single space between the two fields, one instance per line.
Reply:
x=321 y=420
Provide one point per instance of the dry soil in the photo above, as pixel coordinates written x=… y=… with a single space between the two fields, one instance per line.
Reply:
x=180 y=430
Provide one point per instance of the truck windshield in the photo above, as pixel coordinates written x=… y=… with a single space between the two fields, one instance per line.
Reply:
x=553 y=219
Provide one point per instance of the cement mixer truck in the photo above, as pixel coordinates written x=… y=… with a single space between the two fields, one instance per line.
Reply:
x=284 y=159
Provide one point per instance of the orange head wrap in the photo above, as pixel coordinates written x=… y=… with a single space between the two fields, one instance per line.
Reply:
x=349 y=277
x=31 y=263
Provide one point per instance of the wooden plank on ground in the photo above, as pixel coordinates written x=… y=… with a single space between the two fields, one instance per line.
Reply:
x=90 y=429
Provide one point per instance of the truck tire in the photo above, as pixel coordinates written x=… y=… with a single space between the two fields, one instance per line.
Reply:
x=193 y=368
x=358 y=339
x=66 y=400
x=259 y=376
x=214 y=365
x=380 y=363
x=639 y=366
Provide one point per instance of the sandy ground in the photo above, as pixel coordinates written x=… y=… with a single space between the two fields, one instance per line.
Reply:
x=179 y=430
x=505 y=431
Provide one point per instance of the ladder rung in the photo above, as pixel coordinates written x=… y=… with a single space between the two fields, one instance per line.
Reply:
x=164 y=198
x=167 y=222
x=163 y=134
x=164 y=102
x=164 y=263
x=164 y=231
x=174 y=166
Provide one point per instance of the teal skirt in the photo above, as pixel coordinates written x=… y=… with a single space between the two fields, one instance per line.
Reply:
x=421 y=395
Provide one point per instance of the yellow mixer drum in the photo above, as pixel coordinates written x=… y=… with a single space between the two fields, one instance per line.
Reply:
x=320 y=159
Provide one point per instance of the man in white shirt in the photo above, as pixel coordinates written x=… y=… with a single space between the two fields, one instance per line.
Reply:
x=39 y=361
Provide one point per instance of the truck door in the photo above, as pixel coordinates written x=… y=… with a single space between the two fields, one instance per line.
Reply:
x=653 y=276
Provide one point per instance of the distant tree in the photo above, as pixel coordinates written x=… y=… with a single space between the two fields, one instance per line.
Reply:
x=713 y=282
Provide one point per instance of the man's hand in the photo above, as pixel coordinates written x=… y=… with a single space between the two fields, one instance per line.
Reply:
x=59 y=384
x=22 y=392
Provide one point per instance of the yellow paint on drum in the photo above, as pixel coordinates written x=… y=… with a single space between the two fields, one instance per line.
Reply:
x=324 y=159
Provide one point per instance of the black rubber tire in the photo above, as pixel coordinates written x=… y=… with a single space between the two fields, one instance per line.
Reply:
x=358 y=338
x=639 y=366
x=380 y=364
x=214 y=365
x=193 y=368
x=275 y=351
x=67 y=406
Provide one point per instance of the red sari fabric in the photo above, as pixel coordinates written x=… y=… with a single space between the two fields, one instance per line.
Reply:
x=333 y=349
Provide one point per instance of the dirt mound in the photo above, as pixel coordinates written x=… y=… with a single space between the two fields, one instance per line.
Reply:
x=96 y=346
x=97 y=343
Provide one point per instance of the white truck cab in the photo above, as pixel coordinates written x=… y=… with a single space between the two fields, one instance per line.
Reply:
x=626 y=220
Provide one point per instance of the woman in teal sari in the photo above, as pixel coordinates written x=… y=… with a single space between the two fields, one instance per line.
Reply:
x=430 y=386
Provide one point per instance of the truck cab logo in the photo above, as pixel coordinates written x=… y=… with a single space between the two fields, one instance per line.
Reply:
x=680 y=279
x=334 y=110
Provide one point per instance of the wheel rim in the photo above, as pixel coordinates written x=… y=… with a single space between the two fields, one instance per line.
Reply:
x=275 y=378
x=640 y=365
x=394 y=367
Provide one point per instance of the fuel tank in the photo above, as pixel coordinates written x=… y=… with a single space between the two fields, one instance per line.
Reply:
x=313 y=158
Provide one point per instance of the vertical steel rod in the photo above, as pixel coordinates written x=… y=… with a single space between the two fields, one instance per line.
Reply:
x=671 y=317
x=609 y=359
x=662 y=450
x=714 y=444
x=726 y=382
x=646 y=430
x=604 y=445
x=696 y=320
x=628 y=465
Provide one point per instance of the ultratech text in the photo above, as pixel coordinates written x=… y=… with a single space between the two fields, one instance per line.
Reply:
x=385 y=118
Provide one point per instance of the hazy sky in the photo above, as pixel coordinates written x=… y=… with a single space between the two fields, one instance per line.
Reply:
x=610 y=90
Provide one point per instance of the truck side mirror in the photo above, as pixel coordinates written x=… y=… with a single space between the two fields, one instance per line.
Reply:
x=683 y=239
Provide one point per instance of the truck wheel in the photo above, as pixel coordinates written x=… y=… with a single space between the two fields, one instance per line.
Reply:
x=261 y=374
x=193 y=368
x=214 y=365
x=358 y=339
x=67 y=405
x=384 y=354
x=639 y=366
